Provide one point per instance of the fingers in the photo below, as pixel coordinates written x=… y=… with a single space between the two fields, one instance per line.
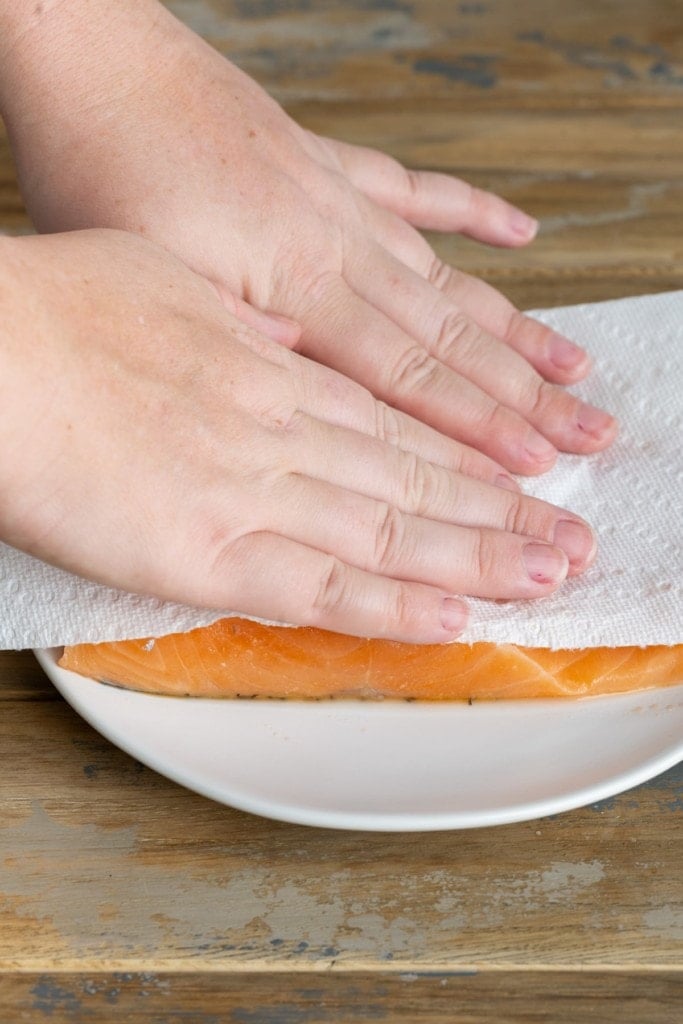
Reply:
x=434 y=201
x=555 y=357
x=362 y=467
x=342 y=329
x=457 y=342
x=277 y=578
x=293 y=384
x=348 y=563
x=377 y=537
x=329 y=396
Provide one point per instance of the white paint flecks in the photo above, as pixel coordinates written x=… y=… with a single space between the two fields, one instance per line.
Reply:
x=667 y=922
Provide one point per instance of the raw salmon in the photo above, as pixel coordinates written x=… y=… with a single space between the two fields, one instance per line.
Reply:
x=237 y=658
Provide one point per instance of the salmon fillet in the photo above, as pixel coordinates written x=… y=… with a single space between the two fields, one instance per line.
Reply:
x=238 y=658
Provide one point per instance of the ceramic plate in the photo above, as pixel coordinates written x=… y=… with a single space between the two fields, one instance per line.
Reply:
x=390 y=766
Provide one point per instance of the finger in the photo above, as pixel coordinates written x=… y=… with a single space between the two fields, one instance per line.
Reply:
x=377 y=537
x=364 y=467
x=316 y=589
x=294 y=384
x=340 y=328
x=274 y=326
x=458 y=343
x=432 y=200
x=554 y=356
x=335 y=399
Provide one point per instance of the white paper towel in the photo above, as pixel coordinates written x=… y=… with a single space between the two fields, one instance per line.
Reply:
x=631 y=494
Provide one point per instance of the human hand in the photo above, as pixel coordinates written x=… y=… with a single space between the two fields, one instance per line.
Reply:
x=153 y=442
x=151 y=130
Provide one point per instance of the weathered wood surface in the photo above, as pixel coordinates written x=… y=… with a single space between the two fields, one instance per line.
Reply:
x=113 y=874
x=175 y=880
x=449 y=997
x=125 y=898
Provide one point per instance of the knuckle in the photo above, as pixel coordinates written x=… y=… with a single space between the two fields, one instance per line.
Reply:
x=283 y=417
x=539 y=394
x=493 y=419
x=415 y=370
x=519 y=517
x=402 y=607
x=457 y=337
x=388 y=425
x=315 y=284
x=530 y=518
x=517 y=322
x=485 y=556
x=419 y=484
x=439 y=274
x=389 y=531
x=226 y=545
x=471 y=199
x=331 y=590
x=413 y=182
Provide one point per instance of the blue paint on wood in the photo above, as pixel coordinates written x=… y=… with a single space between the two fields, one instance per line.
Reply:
x=663 y=72
x=284 y=1014
x=291 y=1014
x=269 y=8
x=665 y=790
x=662 y=68
x=389 y=5
x=471 y=68
x=49 y=997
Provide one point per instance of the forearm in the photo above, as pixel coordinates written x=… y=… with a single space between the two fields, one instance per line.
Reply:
x=64 y=64
x=51 y=44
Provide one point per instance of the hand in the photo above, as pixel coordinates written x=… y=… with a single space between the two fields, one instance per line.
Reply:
x=152 y=441
x=126 y=119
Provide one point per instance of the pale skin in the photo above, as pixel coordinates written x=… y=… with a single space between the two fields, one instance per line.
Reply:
x=184 y=439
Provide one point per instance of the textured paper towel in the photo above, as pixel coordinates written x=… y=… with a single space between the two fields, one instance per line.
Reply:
x=631 y=494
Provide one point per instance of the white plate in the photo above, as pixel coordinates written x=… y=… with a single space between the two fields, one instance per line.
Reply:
x=391 y=766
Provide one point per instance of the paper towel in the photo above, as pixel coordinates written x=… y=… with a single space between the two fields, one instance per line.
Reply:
x=631 y=494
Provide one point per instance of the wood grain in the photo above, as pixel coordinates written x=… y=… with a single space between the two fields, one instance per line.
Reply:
x=450 y=997
x=126 y=898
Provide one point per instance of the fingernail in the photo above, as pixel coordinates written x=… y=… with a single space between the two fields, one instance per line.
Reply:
x=453 y=615
x=503 y=480
x=594 y=421
x=564 y=354
x=545 y=564
x=538 y=449
x=523 y=225
x=576 y=540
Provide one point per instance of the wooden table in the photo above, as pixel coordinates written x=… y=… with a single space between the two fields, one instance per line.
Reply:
x=126 y=898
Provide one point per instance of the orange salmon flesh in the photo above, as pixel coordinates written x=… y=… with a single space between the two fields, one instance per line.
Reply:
x=238 y=658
